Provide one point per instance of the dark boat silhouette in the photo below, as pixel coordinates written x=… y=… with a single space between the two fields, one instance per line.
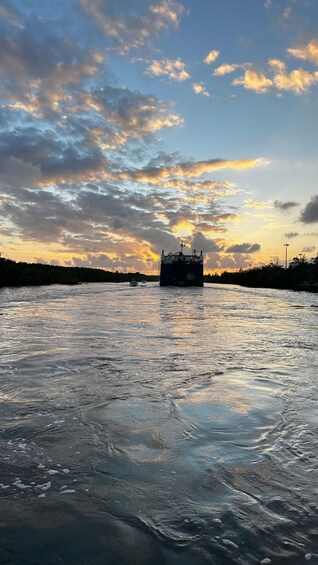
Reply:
x=180 y=269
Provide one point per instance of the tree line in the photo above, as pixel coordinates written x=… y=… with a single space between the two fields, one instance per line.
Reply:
x=14 y=273
x=301 y=274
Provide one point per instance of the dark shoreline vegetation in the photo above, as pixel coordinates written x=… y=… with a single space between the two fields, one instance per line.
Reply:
x=35 y=274
x=302 y=274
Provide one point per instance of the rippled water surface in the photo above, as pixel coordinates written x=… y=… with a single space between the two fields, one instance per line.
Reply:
x=157 y=425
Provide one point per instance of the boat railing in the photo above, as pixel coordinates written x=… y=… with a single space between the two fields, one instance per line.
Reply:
x=174 y=257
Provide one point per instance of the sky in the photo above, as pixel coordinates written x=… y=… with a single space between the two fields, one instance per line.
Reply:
x=128 y=126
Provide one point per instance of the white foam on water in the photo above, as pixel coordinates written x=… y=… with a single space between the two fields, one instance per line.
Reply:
x=22 y=445
x=68 y=491
x=217 y=521
x=230 y=543
x=21 y=485
x=44 y=487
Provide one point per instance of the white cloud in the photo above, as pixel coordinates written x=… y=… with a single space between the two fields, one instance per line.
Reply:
x=199 y=88
x=225 y=69
x=173 y=69
x=211 y=57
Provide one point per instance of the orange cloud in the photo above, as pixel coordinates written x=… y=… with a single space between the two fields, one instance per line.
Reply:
x=224 y=70
x=277 y=65
x=199 y=168
x=297 y=81
x=230 y=68
x=253 y=80
x=211 y=57
x=307 y=52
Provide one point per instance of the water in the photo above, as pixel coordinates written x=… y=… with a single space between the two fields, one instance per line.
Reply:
x=157 y=425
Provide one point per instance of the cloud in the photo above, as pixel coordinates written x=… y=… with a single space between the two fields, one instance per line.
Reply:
x=133 y=30
x=41 y=216
x=309 y=249
x=56 y=161
x=15 y=174
x=75 y=153
x=309 y=214
x=258 y=204
x=277 y=65
x=156 y=175
x=199 y=88
x=129 y=114
x=160 y=239
x=243 y=248
x=173 y=69
x=253 y=80
x=225 y=69
x=91 y=217
x=297 y=81
x=100 y=261
x=291 y=234
x=200 y=242
x=199 y=188
x=306 y=52
x=77 y=145
x=10 y=13
x=285 y=206
x=40 y=63
x=211 y=57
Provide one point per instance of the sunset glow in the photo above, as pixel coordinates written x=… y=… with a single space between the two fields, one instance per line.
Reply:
x=127 y=126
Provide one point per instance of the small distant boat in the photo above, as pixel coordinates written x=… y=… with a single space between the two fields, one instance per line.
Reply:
x=133 y=282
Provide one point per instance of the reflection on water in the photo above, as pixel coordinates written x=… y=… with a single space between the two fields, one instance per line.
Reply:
x=158 y=425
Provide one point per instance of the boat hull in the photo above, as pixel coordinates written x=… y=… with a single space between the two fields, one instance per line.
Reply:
x=181 y=273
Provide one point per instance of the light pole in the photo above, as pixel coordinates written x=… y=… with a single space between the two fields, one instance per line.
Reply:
x=286 y=245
